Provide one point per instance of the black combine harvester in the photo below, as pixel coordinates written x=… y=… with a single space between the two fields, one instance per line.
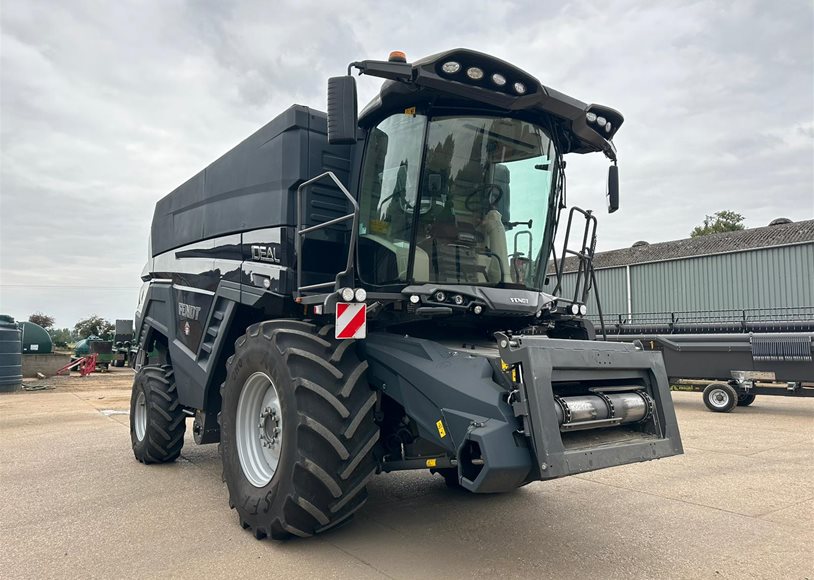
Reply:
x=344 y=295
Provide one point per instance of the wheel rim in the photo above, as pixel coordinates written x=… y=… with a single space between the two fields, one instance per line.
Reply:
x=718 y=398
x=140 y=416
x=259 y=429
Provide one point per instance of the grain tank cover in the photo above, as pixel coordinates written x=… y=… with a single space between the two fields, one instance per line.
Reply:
x=36 y=339
x=253 y=185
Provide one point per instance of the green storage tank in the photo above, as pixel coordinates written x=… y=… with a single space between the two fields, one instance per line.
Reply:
x=82 y=348
x=36 y=339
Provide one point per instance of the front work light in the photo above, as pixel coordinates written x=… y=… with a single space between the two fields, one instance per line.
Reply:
x=347 y=294
x=498 y=79
x=450 y=67
x=474 y=73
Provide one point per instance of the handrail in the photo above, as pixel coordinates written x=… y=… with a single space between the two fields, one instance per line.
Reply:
x=586 y=276
x=345 y=277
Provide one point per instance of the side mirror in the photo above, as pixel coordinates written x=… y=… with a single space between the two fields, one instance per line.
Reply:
x=613 y=188
x=342 y=122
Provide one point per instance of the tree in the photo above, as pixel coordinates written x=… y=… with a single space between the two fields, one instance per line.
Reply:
x=60 y=336
x=94 y=325
x=42 y=319
x=721 y=221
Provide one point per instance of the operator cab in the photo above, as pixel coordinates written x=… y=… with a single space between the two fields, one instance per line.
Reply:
x=460 y=183
x=454 y=199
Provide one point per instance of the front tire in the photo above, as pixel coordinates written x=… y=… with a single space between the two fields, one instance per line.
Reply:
x=301 y=465
x=157 y=419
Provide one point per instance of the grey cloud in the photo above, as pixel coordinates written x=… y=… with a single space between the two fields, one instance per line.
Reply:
x=108 y=106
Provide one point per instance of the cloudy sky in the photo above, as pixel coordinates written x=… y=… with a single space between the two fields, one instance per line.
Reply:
x=107 y=106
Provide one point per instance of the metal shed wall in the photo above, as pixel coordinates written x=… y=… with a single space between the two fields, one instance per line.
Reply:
x=775 y=277
x=765 y=278
x=612 y=290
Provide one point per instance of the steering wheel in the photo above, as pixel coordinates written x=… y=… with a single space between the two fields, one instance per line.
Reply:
x=493 y=191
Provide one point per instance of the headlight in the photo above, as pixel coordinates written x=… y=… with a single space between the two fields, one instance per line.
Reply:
x=346 y=294
x=583 y=309
x=361 y=294
x=450 y=67
x=498 y=79
x=474 y=73
x=591 y=117
x=520 y=88
x=440 y=297
x=458 y=299
x=601 y=121
x=575 y=309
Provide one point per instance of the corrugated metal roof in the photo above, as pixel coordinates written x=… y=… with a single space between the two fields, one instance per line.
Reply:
x=751 y=239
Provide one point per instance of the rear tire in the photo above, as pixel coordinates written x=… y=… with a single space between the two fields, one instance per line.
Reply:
x=314 y=404
x=157 y=419
x=720 y=397
x=746 y=399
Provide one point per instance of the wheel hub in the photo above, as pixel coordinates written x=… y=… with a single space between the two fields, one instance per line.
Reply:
x=269 y=427
x=718 y=398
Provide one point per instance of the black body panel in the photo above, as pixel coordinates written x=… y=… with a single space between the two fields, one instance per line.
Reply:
x=253 y=185
x=436 y=385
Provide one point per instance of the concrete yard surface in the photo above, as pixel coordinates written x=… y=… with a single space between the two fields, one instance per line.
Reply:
x=75 y=503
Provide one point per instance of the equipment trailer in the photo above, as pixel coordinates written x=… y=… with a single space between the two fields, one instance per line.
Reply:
x=746 y=352
x=335 y=297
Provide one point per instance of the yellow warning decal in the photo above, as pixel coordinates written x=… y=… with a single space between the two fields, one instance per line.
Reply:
x=410 y=111
x=441 y=431
x=431 y=462
x=512 y=370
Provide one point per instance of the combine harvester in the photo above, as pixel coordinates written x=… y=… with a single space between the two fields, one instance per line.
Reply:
x=335 y=298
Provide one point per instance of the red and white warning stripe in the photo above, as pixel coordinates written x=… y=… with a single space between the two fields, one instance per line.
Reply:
x=351 y=320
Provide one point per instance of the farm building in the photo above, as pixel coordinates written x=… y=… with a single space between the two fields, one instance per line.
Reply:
x=766 y=271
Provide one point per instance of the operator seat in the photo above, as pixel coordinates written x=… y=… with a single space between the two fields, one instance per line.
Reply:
x=494 y=234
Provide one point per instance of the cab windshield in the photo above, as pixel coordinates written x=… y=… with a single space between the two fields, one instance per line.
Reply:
x=455 y=200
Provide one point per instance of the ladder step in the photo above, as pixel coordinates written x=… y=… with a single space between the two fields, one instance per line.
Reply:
x=207 y=347
x=213 y=330
x=217 y=314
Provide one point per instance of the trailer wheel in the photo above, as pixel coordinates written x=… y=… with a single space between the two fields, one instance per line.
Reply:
x=720 y=397
x=157 y=419
x=297 y=429
x=746 y=399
